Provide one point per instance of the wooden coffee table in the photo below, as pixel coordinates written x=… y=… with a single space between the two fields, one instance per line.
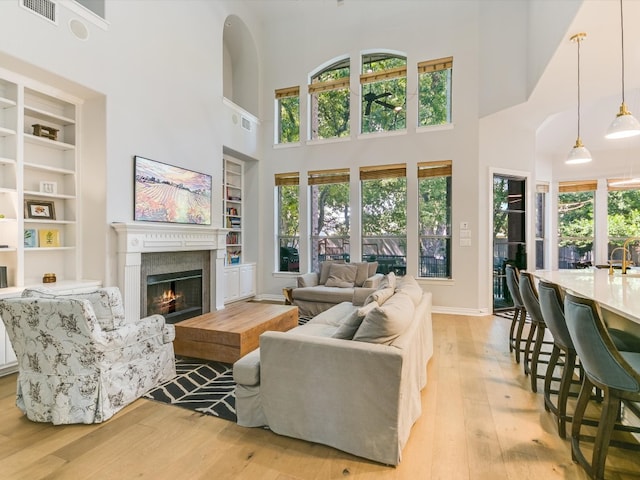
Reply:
x=228 y=334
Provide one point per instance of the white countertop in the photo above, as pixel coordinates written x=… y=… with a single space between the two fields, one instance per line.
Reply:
x=618 y=293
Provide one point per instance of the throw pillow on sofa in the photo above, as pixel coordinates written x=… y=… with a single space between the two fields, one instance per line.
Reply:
x=342 y=275
x=409 y=286
x=324 y=270
x=350 y=325
x=379 y=296
x=385 y=323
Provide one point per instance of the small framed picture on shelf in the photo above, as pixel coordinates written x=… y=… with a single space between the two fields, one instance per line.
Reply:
x=49 y=237
x=48 y=187
x=30 y=238
x=39 y=209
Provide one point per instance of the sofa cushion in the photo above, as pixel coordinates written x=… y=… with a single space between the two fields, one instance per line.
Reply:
x=106 y=302
x=342 y=275
x=380 y=295
x=351 y=323
x=323 y=294
x=409 y=286
x=324 y=270
x=335 y=315
x=362 y=273
x=385 y=323
x=373 y=268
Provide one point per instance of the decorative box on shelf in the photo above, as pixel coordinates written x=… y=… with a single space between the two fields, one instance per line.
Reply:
x=234 y=259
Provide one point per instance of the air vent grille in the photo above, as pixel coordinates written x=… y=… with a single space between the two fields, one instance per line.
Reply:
x=246 y=124
x=44 y=8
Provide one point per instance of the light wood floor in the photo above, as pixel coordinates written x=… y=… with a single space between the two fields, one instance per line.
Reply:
x=480 y=421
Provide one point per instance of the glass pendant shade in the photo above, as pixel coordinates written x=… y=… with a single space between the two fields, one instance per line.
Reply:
x=624 y=125
x=578 y=154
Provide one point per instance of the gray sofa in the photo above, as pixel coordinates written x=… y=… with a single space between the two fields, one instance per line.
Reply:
x=350 y=378
x=336 y=282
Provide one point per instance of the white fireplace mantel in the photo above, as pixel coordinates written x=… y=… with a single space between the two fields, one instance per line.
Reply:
x=135 y=238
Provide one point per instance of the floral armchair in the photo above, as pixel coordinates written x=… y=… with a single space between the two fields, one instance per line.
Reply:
x=79 y=359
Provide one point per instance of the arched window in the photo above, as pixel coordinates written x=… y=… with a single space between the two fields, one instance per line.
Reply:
x=329 y=92
x=383 y=86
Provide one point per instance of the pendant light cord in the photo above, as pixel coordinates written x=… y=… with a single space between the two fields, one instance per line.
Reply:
x=579 y=40
x=622 y=47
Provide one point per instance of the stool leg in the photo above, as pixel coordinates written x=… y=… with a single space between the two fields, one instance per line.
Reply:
x=527 y=347
x=518 y=342
x=563 y=391
x=578 y=415
x=553 y=361
x=512 y=330
x=533 y=370
x=610 y=410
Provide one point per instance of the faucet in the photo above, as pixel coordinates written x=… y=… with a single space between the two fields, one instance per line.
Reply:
x=627 y=263
x=625 y=252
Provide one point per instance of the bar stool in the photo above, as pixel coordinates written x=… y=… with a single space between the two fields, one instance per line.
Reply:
x=529 y=296
x=552 y=308
x=519 y=312
x=616 y=373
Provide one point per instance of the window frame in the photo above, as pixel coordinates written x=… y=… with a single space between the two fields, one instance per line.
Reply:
x=284 y=95
x=577 y=187
x=285 y=180
x=431 y=171
x=430 y=67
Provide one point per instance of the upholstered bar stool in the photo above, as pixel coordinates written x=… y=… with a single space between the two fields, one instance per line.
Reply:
x=552 y=308
x=616 y=373
x=535 y=339
x=519 y=311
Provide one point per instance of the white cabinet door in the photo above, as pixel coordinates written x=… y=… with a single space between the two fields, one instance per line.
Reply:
x=231 y=283
x=247 y=280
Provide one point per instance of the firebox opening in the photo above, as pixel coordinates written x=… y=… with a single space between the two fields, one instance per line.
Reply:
x=177 y=296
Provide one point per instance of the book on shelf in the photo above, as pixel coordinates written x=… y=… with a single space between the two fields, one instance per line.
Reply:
x=49 y=237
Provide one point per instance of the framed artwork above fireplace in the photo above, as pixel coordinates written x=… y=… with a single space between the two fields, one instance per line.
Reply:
x=167 y=193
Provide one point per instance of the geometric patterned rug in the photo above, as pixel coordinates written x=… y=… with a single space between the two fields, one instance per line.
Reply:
x=205 y=387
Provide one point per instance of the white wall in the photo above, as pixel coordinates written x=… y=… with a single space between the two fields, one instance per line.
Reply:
x=423 y=30
x=154 y=84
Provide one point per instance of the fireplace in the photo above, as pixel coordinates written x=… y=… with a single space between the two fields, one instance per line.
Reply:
x=177 y=296
x=146 y=249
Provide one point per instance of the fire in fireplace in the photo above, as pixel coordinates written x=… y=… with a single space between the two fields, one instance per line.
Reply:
x=177 y=296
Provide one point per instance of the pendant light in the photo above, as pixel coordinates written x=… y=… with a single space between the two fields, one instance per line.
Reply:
x=579 y=153
x=625 y=124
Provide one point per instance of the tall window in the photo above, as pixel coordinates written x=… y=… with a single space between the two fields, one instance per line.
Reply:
x=434 y=221
x=329 y=112
x=623 y=218
x=541 y=205
x=384 y=92
x=288 y=111
x=434 y=92
x=330 y=216
x=384 y=216
x=288 y=198
x=576 y=223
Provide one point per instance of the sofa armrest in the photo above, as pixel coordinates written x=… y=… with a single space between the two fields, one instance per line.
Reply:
x=308 y=280
x=373 y=281
x=314 y=387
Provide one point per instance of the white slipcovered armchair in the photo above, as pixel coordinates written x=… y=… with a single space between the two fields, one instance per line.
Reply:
x=79 y=359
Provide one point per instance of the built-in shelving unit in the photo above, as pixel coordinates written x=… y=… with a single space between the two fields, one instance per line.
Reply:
x=233 y=188
x=38 y=188
x=240 y=276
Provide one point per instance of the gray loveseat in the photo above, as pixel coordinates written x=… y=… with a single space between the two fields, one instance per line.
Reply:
x=350 y=378
x=336 y=282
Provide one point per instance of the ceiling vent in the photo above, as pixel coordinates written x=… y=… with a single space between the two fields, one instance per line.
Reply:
x=44 y=8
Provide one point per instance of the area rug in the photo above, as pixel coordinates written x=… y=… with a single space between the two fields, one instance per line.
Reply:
x=201 y=386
